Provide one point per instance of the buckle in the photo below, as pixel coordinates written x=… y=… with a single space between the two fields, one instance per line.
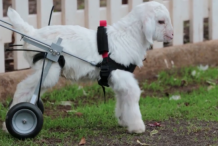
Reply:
x=104 y=73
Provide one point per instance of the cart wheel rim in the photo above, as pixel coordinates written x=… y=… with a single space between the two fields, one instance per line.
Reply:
x=24 y=121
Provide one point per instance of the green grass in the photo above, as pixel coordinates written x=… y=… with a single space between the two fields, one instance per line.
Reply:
x=203 y=105
x=183 y=76
x=98 y=119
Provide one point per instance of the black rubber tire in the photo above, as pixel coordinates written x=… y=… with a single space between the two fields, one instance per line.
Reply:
x=20 y=106
x=39 y=104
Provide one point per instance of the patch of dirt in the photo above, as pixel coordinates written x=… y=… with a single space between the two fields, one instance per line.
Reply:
x=58 y=129
x=60 y=111
x=49 y=141
x=170 y=90
x=57 y=111
x=171 y=133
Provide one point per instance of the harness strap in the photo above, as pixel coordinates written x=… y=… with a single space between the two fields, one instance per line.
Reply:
x=102 y=42
x=103 y=88
x=107 y=65
x=40 y=56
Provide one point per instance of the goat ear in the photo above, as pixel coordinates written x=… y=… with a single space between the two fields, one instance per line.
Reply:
x=149 y=29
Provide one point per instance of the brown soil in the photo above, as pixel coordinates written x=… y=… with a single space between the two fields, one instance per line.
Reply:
x=52 y=112
x=172 y=133
x=170 y=90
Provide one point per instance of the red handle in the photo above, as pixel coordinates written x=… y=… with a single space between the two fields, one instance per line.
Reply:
x=103 y=23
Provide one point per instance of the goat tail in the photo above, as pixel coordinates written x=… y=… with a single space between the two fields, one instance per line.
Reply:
x=18 y=23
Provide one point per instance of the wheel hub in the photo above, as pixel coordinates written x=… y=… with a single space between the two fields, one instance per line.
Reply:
x=20 y=119
x=24 y=121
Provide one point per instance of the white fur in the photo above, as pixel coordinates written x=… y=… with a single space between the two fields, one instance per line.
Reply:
x=127 y=94
x=128 y=41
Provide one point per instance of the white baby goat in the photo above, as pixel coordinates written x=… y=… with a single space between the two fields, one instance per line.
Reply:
x=128 y=41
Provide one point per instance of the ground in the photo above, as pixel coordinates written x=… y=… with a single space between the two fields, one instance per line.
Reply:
x=179 y=108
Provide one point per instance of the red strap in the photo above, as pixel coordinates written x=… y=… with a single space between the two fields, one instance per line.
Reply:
x=105 y=54
x=104 y=23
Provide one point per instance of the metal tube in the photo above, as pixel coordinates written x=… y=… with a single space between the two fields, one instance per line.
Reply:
x=47 y=49
x=25 y=35
x=46 y=70
x=6 y=22
x=93 y=64
x=34 y=43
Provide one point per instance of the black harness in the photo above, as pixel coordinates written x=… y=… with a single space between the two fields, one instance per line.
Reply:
x=107 y=65
x=39 y=56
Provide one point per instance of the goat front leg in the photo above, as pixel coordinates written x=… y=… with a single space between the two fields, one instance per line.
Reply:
x=127 y=93
x=25 y=89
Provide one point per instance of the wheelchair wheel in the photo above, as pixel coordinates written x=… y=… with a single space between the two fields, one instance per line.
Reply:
x=24 y=120
x=39 y=104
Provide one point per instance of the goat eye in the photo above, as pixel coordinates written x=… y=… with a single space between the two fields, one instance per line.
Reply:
x=161 y=22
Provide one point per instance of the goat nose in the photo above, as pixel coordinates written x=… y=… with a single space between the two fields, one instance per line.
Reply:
x=172 y=34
